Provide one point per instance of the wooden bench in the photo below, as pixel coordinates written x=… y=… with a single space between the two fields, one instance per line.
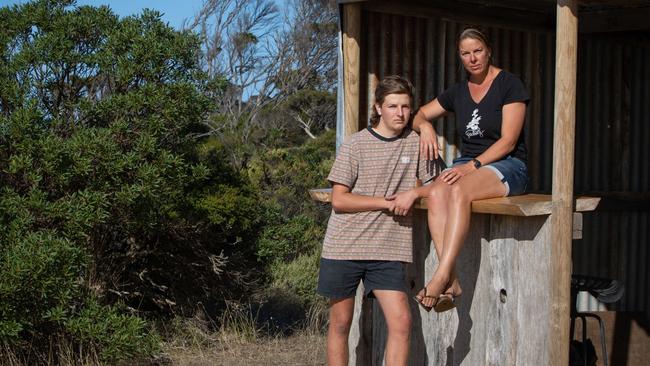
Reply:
x=504 y=269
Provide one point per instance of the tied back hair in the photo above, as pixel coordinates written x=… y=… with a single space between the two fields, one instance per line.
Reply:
x=393 y=84
x=478 y=34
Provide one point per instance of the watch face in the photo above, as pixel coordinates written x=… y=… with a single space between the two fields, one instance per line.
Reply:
x=477 y=163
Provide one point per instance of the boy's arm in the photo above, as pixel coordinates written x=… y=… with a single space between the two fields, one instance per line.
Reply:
x=345 y=201
x=404 y=201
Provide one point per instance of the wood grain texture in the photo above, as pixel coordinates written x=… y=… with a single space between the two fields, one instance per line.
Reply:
x=351 y=66
x=525 y=205
x=566 y=47
x=501 y=318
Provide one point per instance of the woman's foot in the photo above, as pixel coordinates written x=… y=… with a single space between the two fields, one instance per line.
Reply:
x=440 y=303
x=428 y=296
x=454 y=289
x=422 y=297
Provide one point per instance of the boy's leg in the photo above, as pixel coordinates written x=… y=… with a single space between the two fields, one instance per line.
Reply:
x=341 y=312
x=395 y=307
x=338 y=280
x=386 y=280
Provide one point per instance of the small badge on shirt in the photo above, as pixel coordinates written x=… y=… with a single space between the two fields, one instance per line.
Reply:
x=405 y=159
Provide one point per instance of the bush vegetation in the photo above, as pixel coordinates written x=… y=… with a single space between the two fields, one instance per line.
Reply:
x=119 y=206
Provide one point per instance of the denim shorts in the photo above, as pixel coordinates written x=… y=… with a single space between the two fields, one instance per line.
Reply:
x=512 y=172
x=339 y=279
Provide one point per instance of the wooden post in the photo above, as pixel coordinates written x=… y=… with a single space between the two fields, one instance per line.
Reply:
x=351 y=66
x=566 y=50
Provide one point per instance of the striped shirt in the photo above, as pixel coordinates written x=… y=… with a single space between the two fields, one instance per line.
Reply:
x=373 y=165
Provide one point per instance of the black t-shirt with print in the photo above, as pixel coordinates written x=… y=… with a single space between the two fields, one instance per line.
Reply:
x=479 y=124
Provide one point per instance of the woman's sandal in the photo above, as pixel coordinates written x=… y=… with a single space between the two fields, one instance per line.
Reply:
x=427 y=308
x=443 y=302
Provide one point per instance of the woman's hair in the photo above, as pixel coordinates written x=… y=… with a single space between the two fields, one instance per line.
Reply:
x=393 y=84
x=474 y=33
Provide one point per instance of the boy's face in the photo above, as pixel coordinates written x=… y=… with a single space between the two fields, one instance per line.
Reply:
x=395 y=113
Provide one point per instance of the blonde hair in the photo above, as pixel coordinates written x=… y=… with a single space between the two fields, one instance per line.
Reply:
x=474 y=33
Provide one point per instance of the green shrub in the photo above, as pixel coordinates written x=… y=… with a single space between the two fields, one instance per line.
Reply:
x=299 y=276
x=116 y=335
x=105 y=198
x=38 y=269
x=288 y=238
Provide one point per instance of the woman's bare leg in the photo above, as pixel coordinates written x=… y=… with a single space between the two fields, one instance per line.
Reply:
x=437 y=205
x=481 y=184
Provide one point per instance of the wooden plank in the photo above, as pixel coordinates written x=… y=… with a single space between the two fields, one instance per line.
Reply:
x=524 y=205
x=490 y=15
x=577 y=226
x=502 y=303
x=351 y=66
x=566 y=49
x=533 y=288
x=501 y=317
x=360 y=339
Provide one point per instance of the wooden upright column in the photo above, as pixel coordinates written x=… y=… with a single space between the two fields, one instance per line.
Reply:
x=566 y=49
x=351 y=66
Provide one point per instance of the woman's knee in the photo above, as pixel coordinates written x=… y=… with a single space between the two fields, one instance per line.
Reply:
x=437 y=196
x=459 y=194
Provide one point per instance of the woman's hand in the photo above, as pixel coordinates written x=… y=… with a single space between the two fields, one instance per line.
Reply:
x=452 y=175
x=422 y=125
x=429 y=142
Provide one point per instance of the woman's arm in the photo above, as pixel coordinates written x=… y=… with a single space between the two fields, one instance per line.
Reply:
x=345 y=201
x=422 y=124
x=511 y=125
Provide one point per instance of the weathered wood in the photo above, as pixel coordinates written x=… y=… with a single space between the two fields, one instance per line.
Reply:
x=351 y=66
x=566 y=49
x=525 y=205
x=538 y=19
x=577 y=226
x=361 y=339
x=501 y=317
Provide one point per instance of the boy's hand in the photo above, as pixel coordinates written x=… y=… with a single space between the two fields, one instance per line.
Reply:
x=403 y=202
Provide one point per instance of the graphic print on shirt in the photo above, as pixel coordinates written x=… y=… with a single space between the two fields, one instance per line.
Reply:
x=472 y=127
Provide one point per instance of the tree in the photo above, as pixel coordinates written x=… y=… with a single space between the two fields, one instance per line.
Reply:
x=109 y=205
x=261 y=64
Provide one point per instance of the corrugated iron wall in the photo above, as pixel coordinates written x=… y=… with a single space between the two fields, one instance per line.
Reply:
x=612 y=130
x=424 y=50
x=613 y=155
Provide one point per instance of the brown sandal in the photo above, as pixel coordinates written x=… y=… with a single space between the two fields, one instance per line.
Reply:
x=427 y=308
x=443 y=302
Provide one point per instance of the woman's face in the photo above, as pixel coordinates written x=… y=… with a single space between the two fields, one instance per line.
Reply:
x=475 y=56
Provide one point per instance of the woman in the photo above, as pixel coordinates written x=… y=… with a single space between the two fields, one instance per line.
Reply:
x=490 y=108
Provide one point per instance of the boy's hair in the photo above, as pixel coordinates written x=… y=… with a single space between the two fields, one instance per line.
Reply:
x=393 y=84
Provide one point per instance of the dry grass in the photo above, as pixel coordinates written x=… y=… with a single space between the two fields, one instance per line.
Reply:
x=240 y=341
x=61 y=353
x=303 y=348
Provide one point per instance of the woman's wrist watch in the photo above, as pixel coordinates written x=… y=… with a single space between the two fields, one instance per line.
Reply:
x=477 y=163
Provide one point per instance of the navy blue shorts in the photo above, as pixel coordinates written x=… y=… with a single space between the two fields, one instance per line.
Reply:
x=512 y=172
x=339 y=279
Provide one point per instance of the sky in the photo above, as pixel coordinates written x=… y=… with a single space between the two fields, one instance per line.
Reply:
x=174 y=11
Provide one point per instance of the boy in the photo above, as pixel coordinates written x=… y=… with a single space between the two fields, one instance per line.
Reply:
x=369 y=234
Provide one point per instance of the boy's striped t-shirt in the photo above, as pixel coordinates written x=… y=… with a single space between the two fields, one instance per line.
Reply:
x=373 y=165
